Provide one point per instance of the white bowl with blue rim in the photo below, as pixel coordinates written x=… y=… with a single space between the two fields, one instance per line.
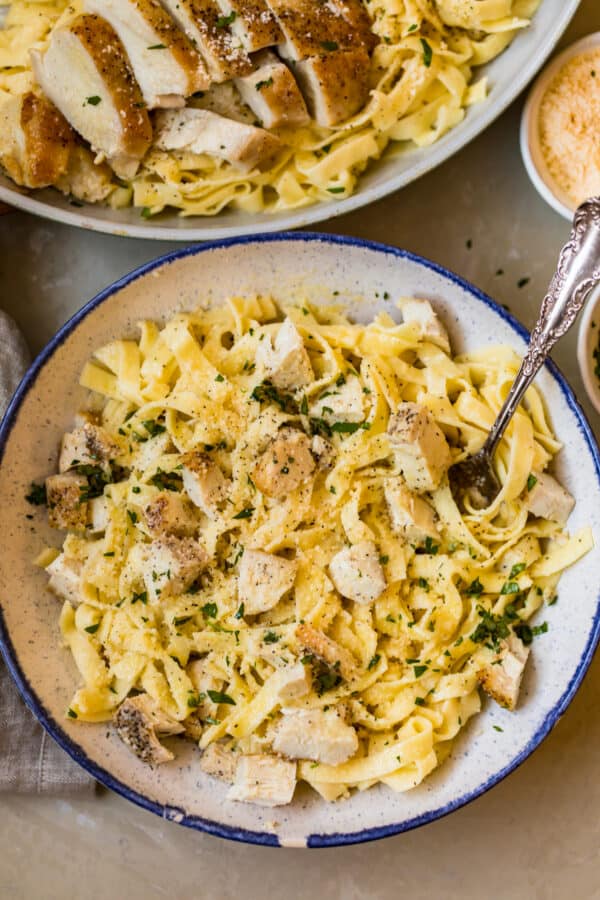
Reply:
x=508 y=74
x=290 y=267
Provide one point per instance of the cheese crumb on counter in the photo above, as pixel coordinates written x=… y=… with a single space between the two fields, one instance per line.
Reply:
x=568 y=127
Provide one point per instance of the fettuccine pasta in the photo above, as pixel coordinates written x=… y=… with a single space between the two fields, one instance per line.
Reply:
x=260 y=557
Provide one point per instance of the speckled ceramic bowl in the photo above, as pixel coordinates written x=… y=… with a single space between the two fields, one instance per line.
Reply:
x=289 y=266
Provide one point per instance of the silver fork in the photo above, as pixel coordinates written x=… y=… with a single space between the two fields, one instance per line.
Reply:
x=577 y=273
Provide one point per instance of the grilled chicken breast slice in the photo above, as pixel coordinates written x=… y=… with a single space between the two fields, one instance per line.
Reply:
x=356 y=15
x=200 y=131
x=309 y=28
x=86 y=73
x=252 y=22
x=334 y=85
x=209 y=30
x=272 y=94
x=35 y=140
x=167 y=67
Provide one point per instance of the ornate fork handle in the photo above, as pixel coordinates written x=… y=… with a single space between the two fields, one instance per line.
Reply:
x=577 y=273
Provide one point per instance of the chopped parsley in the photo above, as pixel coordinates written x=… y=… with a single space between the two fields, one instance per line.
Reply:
x=245 y=513
x=373 y=661
x=268 y=393
x=93 y=101
x=265 y=83
x=517 y=569
x=510 y=587
x=209 y=610
x=141 y=597
x=166 y=481
x=531 y=482
x=330 y=46
x=71 y=713
x=420 y=701
x=475 y=589
x=37 y=494
x=239 y=614
x=492 y=629
x=158 y=47
x=154 y=428
x=224 y=21
x=92 y=629
x=429 y=547
x=419 y=670
x=270 y=637
x=219 y=697
x=427 y=53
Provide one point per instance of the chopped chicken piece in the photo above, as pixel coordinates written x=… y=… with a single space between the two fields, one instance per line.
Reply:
x=421 y=314
x=84 y=179
x=203 y=679
x=327 y=650
x=252 y=22
x=309 y=27
x=297 y=684
x=169 y=513
x=315 y=734
x=272 y=94
x=66 y=509
x=341 y=404
x=86 y=73
x=335 y=85
x=323 y=452
x=357 y=573
x=89 y=445
x=264 y=780
x=220 y=761
x=285 y=464
x=263 y=580
x=501 y=674
x=65 y=578
x=98 y=515
x=210 y=33
x=205 y=484
x=548 y=499
x=35 y=140
x=138 y=720
x=201 y=131
x=411 y=516
x=421 y=448
x=166 y=65
x=287 y=364
x=172 y=563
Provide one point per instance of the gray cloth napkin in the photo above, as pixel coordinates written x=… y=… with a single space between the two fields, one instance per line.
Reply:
x=30 y=761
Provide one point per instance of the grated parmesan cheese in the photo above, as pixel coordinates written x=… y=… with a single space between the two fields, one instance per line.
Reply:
x=569 y=127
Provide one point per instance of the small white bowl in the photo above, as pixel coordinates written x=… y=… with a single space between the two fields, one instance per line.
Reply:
x=588 y=341
x=531 y=150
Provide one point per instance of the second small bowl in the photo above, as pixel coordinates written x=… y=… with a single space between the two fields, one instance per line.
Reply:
x=588 y=349
x=531 y=150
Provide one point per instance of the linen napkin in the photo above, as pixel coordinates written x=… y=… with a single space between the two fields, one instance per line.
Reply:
x=30 y=761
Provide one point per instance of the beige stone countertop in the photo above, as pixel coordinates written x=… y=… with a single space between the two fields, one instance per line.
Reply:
x=535 y=835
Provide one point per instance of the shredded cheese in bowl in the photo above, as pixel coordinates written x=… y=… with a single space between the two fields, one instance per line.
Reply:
x=569 y=133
